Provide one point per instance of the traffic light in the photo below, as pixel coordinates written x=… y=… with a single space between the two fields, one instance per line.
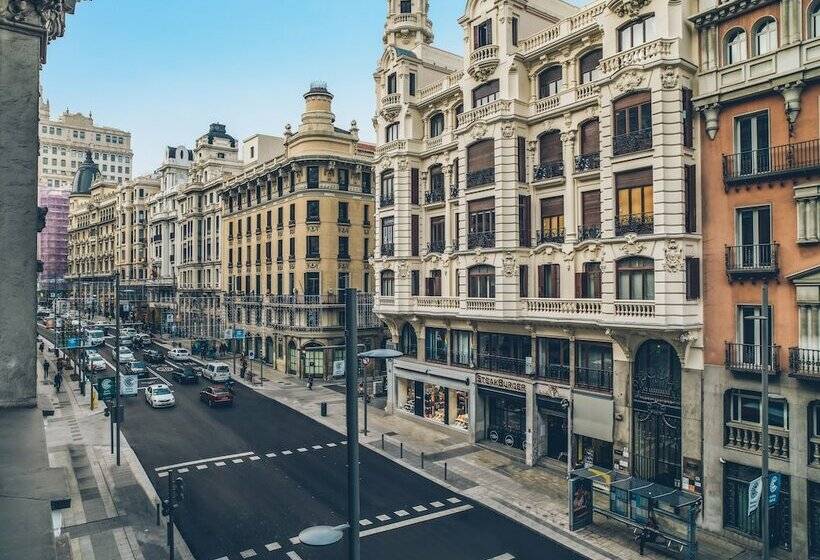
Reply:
x=165 y=508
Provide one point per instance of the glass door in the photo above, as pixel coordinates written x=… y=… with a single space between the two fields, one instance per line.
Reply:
x=754 y=236
x=752 y=143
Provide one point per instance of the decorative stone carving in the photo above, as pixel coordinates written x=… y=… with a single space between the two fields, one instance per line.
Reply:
x=710 y=116
x=508 y=130
x=628 y=8
x=402 y=165
x=669 y=77
x=313 y=228
x=479 y=256
x=674 y=256
x=631 y=246
x=50 y=14
x=508 y=264
x=628 y=80
x=483 y=71
x=390 y=113
x=403 y=270
x=791 y=100
x=568 y=137
x=479 y=129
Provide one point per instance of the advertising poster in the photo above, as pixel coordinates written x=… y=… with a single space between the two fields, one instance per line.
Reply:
x=580 y=503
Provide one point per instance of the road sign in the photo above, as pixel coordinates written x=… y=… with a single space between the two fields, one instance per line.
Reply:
x=228 y=334
x=339 y=368
x=128 y=385
x=169 y=318
x=73 y=342
x=106 y=388
x=239 y=334
x=251 y=355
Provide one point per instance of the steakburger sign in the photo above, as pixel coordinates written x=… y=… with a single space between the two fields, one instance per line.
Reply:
x=501 y=383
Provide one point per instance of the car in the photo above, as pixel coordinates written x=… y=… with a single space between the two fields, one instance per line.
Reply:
x=178 y=354
x=126 y=339
x=159 y=396
x=216 y=395
x=94 y=361
x=136 y=368
x=130 y=331
x=124 y=354
x=143 y=338
x=216 y=372
x=185 y=375
x=153 y=356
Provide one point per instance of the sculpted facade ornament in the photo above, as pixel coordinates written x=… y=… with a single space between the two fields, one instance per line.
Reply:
x=710 y=116
x=568 y=137
x=402 y=165
x=49 y=14
x=631 y=246
x=479 y=256
x=669 y=77
x=628 y=80
x=508 y=264
x=479 y=129
x=674 y=256
x=508 y=130
x=403 y=270
x=628 y=8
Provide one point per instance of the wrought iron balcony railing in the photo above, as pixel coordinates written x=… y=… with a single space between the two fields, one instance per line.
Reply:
x=589 y=232
x=594 y=379
x=588 y=162
x=548 y=170
x=386 y=200
x=554 y=372
x=634 y=223
x=480 y=177
x=745 y=261
x=433 y=196
x=748 y=358
x=436 y=246
x=804 y=363
x=388 y=249
x=484 y=239
x=775 y=161
x=502 y=364
x=453 y=191
x=634 y=141
x=549 y=236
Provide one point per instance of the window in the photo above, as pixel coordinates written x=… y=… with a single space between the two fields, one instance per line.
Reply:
x=386 y=195
x=461 y=345
x=485 y=93
x=387 y=236
x=366 y=215
x=503 y=352
x=814 y=20
x=521 y=159
x=312 y=211
x=550 y=156
x=405 y=6
x=549 y=82
x=414 y=235
x=688 y=110
x=549 y=279
x=313 y=177
x=436 y=125
x=387 y=280
x=366 y=182
x=633 y=124
x=391 y=132
x=690 y=197
x=312 y=247
x=432 y=285
x=523 y=281
x=636 y=33
x=435 y=345
x=412 y=84
x=436 y=244
x=292 y=248
x=344 y=179
x=692 y=271
x=481 y=281
x=391 y=84
x=635 y=204
x=751 y=144
x=415 y=283
x=414 y=185
x=552 y=358
x=344 y=251
x=746 y=407
x=279 y=250
x=734 y=46
x=408 y=343
x=588 y=282
x=481 y=219
x=483 y=34
x=515 y=31
x=590 y=137
x=593 y=365
x=552 y=220
x=343 y=213
x=753 y=236
x=481 y=163
x=636 y=278
x=280 y=219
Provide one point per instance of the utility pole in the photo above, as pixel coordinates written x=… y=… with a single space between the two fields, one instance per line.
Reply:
x=764 y=401
x=118 y=412
x=176 y=493
x=352 y=417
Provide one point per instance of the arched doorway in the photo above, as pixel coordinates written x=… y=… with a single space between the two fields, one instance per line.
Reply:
x=269 y=350
x=314 y=360
x=656 y=416
x=293 y=358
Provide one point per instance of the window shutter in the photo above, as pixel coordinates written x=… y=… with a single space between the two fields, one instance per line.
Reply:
x=590 y=138
x=579 y=284
x=481 y=155
x=638 y=178
x=455 y=172
x=541 y=287
x=521 y=159
x=524 y=225
x=690 y=199
x=414 y=282
x=591 y=61
x=549 y=146
x=692 y=278
x=414 y=235
x=486 y=89
x=688 y=117
x=555 y=271
x=553 y=206
x=481 y=205
x=632 y=100
x=591 y=203
x=414 y=186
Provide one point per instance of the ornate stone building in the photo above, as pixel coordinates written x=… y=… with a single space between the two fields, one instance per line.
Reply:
x=298 y=231
x=760 y=162
x=538 y=244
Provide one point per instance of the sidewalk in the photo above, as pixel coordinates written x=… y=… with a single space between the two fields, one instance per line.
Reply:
x=533 y=496
x=113 y=509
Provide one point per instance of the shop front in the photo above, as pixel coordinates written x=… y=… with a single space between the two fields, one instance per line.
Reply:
x=505 y=411
x=437 y=395
x=592 y=427
x=553 y=412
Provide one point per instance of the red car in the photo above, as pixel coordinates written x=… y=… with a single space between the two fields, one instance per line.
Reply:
x=216 y=396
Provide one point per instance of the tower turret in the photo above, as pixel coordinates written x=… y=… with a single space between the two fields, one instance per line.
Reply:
x=408 y=24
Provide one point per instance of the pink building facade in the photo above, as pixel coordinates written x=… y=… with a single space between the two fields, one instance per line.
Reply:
x=52 y=242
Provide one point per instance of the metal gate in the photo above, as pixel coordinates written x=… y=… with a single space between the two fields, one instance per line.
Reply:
x=656 y=418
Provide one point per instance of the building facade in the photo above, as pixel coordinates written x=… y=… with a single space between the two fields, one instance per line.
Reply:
x=64 y=141
x=297 y=232
x=759 y=86
x=538 y=244
x=52 y=242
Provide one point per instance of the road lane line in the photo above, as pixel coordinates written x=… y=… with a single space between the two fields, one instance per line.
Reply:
x=419 y=508
x=254 y=458
x=287 y=452
x=269 y=455
x=317 y=447
x=415 y=520
x=436 y=504
x=182 y=471
x=302 y=449
x=505 y=556
x=208 y=460
x=223 y=558
x=237 y=461
x=293 y=556
x=383 y=517
x=331 y=445
x=201 y=467
x=273 y=546
x=162 y=474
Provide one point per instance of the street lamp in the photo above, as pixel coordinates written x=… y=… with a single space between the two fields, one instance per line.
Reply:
x=323 y=535
x=377 y=354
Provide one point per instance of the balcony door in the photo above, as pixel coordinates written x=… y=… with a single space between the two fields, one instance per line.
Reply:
x=754 y=237
x=752 y=143
x=749 y=334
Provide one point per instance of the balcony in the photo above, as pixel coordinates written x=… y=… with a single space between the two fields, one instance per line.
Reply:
x=588 y=162
x=483 y=61
x=749 y=438
x=752 y=261
x=804 y=363
x=554 y=372
x=593 y=379
x=480 y=177
x=436 y=246
x=434 y=196
x=548 y=170
x=502 y=364
x=776 y=162
x=386 y=200
x=388 y=250
x=589 y=232
x=562 y=308
x=634 y=223
x=391 y=101
x=635 y=141
x=453 y=192
x=635 y=309
x=549 y=236
x=480 y=304
x=312 y=255
x=436 y=303
x=747 y=358
x=484 y=239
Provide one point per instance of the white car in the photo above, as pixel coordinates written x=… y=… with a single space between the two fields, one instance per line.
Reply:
x=178 y=354
x=95 y=361
x=159 y=396
x=216 y=372
x=124 y=354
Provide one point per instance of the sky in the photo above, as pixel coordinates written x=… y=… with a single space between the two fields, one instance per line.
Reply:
x=165 y=69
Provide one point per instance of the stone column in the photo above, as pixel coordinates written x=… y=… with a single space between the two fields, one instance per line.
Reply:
x=25 y=29
x=568 y=142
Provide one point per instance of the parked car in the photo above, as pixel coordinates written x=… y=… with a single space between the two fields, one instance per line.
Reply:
x=159 y=396
x=178 y=354
x=124 y=354
x=136 y=368
x=185 y=375
x=216 y=372
x=153 y=356
x=216 y=395
x=94 y=361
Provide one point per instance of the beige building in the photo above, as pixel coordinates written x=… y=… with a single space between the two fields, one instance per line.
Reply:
x=537 y=252
x=64 y=141
x=297 y=232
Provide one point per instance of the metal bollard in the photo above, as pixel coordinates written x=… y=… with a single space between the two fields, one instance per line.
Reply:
x=422 y=459
x=401 y=450
x=445 y=471
x=382 y=442
x=323 y=408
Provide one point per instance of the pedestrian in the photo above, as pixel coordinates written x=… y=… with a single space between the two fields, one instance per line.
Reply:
x=41 y=347
x=46 y=365
x=58 y=381
x=310 y=382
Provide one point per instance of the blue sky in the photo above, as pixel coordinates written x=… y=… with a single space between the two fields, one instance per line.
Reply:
x=164 y=69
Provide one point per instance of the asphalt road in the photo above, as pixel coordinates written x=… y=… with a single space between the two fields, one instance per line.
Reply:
x=258 y=473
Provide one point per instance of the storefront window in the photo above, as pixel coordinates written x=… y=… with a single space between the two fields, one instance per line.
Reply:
x=507 y=421
x=593 y=452
x=435 y=345
x=736 y=479
x=435 y=403
x=315 y=362
x=461 y=418
x=409 y=396
x=461 y=347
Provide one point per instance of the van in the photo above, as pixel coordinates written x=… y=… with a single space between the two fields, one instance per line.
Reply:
x=178 y=354
x=95 y=337
x=216 y=372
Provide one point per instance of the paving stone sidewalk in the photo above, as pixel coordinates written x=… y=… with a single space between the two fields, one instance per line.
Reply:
x=113 y=509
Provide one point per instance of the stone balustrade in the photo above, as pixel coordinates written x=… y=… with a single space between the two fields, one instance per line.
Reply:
x=482 y=54
x=576 y=23
x=437 y=302
x=748 y=437
x=659 y=49
x=480 y=304
x=635 y=308
x=501 y=106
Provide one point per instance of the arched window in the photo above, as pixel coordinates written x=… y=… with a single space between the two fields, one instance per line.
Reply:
x=636 y=278
x=735 y=46
x=387 y=283
x=391 y=132
x=589 y=66
x=765 y=34
x=481 y=281
x=549 y=81
x=408 y=343
x=636 y=33
x=814 y=20
x=436 y=125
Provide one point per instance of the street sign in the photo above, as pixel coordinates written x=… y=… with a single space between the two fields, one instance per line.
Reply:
x=755 y=490
x=128 y=385
x=106 y=388
x=775 y=482
x=169 y=318
x=73 y=342
x=339 y=368
x=251 y=355
x=228 y=334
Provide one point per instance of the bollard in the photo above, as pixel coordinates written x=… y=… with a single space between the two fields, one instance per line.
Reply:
x=422 y=459
x=445 y=471
x=401 y=450
x=157 y=515
x=323 y=408
x=382 y=442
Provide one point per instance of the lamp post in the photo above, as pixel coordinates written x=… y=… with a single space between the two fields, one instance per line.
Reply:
x=377 y=354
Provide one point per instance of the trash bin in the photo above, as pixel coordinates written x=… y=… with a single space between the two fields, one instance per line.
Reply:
x=323 y=408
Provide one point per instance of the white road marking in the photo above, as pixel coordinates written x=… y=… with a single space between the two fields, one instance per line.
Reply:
x=201 y=467
x=250 y=553
x=420 y=519
x=317 y=447
x=419 y=508
x=273 y=546
x=220 y=463
x=164 y=473
x=453 y=500
x=302 y=449
x=237 y=461
x=287 y=452
x=294 y=540
x=208 y=460
x=365 y=522
x=436 y=504
x=270 y=454
x=254 y=458
x=331 y=445
x=182 y=471
x=505 y=556
x=401 y=513
x=343 y=442
x=383 y=517
x=223 y=558
x=293 y=556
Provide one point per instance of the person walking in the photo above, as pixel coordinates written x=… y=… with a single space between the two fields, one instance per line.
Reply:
x=310 y=382
x=58 y=381
x=41 y=347
x=243 y=366
x=46 y=365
